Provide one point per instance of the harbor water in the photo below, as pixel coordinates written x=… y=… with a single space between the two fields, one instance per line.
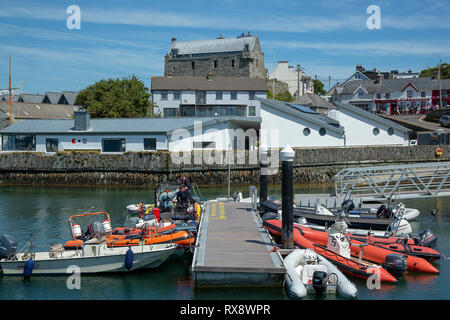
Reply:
x=42 y=213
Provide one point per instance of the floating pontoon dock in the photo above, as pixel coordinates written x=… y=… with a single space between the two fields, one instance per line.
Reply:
x=234 y=249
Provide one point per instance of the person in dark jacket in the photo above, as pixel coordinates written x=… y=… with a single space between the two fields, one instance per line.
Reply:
x=184 y=197
x=185 y=181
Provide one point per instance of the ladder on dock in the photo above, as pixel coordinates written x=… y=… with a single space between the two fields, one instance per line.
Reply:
x=395 y=182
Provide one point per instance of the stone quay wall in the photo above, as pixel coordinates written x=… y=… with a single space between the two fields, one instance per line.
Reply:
x=311 y=165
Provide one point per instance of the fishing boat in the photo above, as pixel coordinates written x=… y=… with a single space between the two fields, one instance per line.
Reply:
x=308 y=272
x=94 y=256
x=338 y=254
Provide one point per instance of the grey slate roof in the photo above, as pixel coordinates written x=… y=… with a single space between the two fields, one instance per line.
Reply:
x=313 y=100
x=53 y=97
x=31 y=98
x=114 y=125
x=310 y=116
x=212 y=84
x=370 y=115
x=70 y=96
x=395 y=85
x=23 y=110
x=213 y=45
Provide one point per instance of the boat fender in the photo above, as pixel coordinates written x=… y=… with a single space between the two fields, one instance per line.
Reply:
x=129 y=255
x=28 y=268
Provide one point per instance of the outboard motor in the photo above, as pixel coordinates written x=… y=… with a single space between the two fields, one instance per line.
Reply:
x=319 y=282
x=8 y=246
x=426 y=239
x=384 y=212
x=395 y=264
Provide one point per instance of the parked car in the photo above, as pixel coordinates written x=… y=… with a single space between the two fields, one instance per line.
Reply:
x=445 y=121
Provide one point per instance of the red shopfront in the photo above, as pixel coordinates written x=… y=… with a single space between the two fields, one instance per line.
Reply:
x=402 y=106
x=436 y=101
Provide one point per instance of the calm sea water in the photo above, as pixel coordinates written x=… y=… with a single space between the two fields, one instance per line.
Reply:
x=43 y=211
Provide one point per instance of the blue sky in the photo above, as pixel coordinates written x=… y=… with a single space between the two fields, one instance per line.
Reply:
x=121 y=38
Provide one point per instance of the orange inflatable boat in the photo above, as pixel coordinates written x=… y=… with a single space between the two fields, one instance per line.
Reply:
x=353 y=267
x=370 y=252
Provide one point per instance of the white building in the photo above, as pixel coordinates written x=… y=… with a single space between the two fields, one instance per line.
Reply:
x=275 y=124
x=395 y=96
x=207 y=96
x=298 y=83
x=344 y=126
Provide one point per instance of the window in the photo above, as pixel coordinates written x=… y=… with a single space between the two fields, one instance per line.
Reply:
x=187 y=111
x=164 y=95
x=251 y=95
x=19 y=142
x=204 y=145
x=409 y=93
x=232 y=63
x=360 y=93
x=149 y=143
x=219 y=95
x=233 y=95
x=170 y=112
x=376 y=131
x=388 y=95
x=422 y=94
x=216 y=64
x=390 y=131
x=193 y=65
x=251 y=111
x=177 y=95
x=200 y=97
x=378 y=95
x=322 y=131
x=306 y=132
x=51 y=145
x=113 y=145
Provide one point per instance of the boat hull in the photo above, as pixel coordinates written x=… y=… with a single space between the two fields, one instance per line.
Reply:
x=115 y=262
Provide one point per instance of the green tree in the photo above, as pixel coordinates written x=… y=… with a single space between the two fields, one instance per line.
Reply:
x=116 y=98
x=318 y=87
x=445 y=71
x=285 y=96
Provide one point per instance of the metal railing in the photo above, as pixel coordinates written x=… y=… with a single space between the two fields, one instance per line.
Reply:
x=398 y=181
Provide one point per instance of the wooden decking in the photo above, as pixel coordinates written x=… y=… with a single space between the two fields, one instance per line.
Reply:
x=233 y=249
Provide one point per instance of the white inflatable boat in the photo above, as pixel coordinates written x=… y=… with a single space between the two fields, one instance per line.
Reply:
x=308 y=272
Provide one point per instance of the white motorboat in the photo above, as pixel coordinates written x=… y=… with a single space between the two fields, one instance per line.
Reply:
x=93 y=257
x=308 y=272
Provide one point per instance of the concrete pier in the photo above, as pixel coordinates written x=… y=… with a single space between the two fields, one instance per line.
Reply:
x=233 y=249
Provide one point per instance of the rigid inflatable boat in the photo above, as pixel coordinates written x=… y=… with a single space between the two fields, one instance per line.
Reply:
x=342 y=259
x=370 y=252
x=309 y=272
x=327 y=218
x=124 y=237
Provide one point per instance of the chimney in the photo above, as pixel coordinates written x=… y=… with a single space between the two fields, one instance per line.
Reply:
x=82 y=120
x=359 y=68
x=174 y=40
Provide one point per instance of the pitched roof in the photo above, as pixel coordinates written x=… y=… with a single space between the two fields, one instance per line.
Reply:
x=395 y=85
x=70 y=96
x=115 y=125
x=53 y=97
x=313 y=100
x=211 y=84
x=31 y=98
x=213 y=45
x=304 y=113
x=22 y=110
